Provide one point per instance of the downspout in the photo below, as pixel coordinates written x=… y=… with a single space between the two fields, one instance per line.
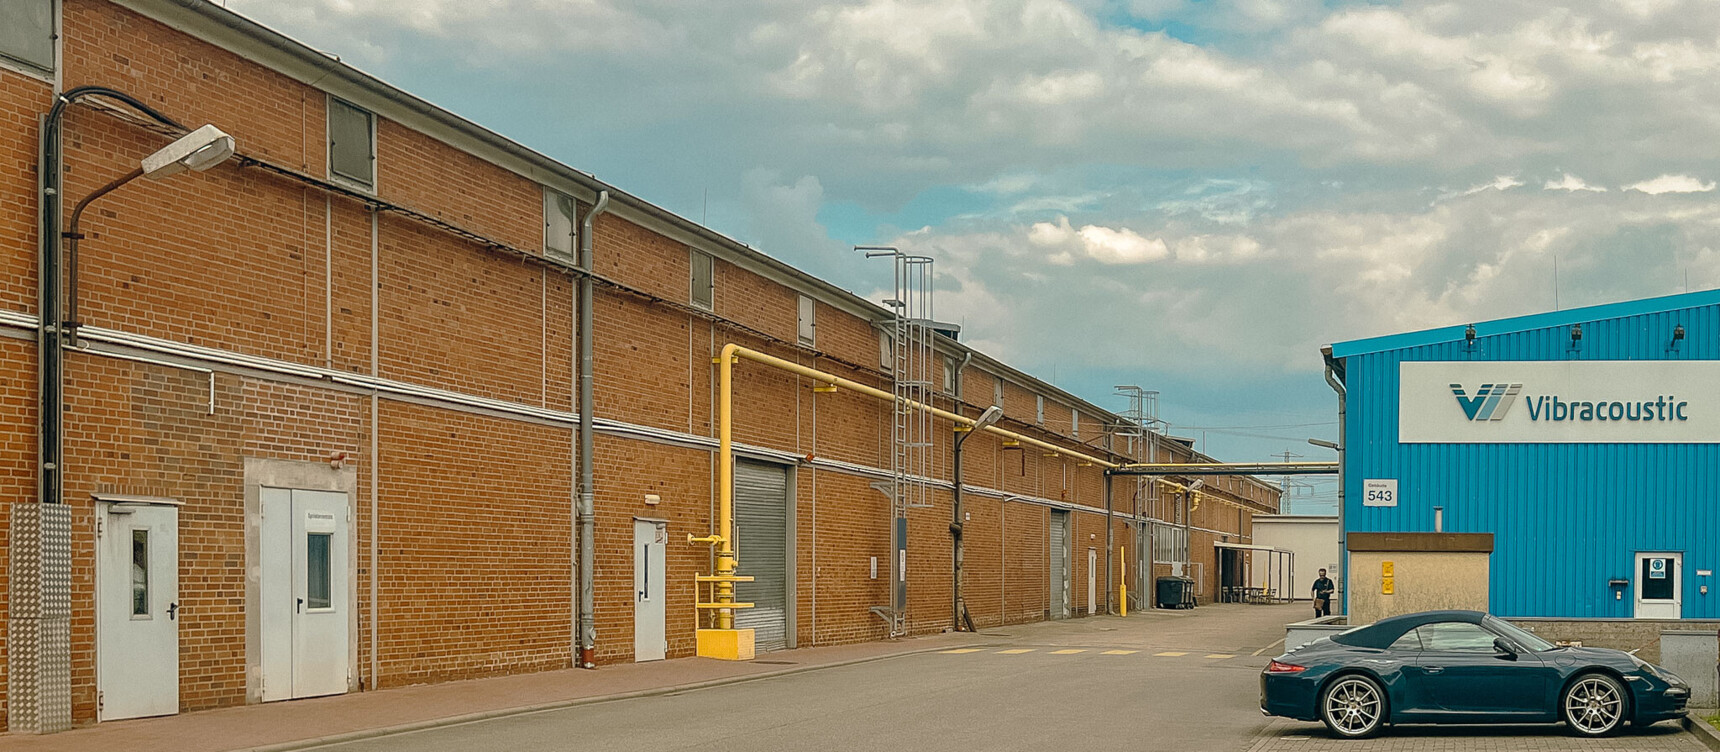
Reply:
x=1332 y=369
x=956 y=508
x=587 y=487
x=1110 y=546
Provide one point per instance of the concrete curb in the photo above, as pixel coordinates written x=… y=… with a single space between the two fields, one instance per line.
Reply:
x=1700 y=729
x=486 y=715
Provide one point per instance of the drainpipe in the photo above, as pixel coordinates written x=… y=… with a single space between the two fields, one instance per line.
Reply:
x=587 y=488
x=956 y=510
x=1332 y=366
x=1110 y=550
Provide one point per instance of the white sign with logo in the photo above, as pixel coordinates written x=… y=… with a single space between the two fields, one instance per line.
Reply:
x=1378 y=492
x=1559 y=402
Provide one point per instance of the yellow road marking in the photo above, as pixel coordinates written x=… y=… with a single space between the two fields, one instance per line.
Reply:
x=1066 y=652
x=1120 y=652
x=1017 y=651
x=958 y=651
x=1220 y=655
x=1170 y=655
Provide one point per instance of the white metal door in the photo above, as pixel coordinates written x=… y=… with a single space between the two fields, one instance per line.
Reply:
x=306 y=608
x=1092 y=581
x=137 y=611
x=1659 y=585
x=650 y=538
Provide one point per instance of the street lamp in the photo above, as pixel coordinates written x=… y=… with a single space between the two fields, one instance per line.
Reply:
x=990 y=416
x=198 y=150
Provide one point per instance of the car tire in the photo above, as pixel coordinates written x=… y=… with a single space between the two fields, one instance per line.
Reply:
x=1353 y=706
x=1594 y=705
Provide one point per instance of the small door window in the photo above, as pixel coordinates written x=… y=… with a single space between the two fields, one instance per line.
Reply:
x=317 y=588
x=140 y=573
x=1456 y=637
x=1658 y=573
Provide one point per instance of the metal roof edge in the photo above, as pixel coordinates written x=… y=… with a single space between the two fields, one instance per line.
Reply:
x=1527 y=322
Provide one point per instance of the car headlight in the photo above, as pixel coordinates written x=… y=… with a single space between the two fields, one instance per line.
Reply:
x=1653 y=670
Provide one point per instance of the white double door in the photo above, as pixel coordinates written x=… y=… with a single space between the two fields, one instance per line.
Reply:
x=305 y=611
x=137 y=610
x=650 y=542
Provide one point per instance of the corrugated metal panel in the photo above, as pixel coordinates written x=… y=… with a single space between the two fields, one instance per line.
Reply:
x=761 y=542
x=1566 y=517
x=1059 y=564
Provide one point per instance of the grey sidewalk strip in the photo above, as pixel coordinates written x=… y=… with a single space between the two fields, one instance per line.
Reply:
x=487 y=715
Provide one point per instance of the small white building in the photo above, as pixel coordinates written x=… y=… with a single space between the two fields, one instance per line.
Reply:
x=1314 y=541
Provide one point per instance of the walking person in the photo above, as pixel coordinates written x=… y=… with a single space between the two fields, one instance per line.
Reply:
x=1323 y=589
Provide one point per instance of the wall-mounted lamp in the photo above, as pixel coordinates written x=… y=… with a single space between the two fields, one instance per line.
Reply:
x=1576 y=336
x=1677 y=337
x=1469 y=335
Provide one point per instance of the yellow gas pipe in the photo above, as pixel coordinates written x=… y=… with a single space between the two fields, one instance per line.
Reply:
x=725 y=641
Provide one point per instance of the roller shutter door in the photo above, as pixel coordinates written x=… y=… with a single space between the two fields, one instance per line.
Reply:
x=1059 y=564
x=761 y=542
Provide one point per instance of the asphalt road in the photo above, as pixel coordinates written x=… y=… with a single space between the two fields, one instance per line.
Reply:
x=1099 y=683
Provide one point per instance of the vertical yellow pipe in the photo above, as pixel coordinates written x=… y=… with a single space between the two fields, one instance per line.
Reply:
x=725 y=488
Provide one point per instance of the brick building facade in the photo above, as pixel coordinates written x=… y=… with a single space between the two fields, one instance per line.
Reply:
x=403 y=342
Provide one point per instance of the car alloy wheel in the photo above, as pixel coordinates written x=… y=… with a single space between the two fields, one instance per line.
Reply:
x=1353 y=707
x=1594 y=705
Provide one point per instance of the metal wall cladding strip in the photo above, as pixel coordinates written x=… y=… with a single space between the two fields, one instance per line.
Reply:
x=1566 y=517
x=761 y=542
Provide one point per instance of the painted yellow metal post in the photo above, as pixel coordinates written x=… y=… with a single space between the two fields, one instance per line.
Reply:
x=725 y=487
x=1123 y=582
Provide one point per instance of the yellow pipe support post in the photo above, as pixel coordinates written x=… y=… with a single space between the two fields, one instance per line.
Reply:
x=724 y=642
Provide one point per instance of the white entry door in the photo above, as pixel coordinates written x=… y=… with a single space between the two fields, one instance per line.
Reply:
x=306 y=610
x=650 y=539
x=1092 y=581
x=1659 y=585
x=137 y=611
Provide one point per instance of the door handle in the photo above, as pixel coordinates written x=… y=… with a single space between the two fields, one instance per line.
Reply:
x=1433 y=669
x=300 y=608
x=172 y=611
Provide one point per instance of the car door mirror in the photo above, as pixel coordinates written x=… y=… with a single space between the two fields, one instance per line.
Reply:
x=1504 y=648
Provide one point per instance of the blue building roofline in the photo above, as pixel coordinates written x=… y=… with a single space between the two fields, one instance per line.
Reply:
x=1525 y=323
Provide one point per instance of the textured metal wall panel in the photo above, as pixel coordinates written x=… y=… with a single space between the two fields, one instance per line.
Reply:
x=1566 y=517
x=38 y=629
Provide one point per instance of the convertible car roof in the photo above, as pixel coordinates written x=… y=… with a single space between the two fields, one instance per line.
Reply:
x=1381 y=634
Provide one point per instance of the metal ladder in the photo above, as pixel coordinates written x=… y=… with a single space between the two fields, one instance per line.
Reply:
x=912 y=357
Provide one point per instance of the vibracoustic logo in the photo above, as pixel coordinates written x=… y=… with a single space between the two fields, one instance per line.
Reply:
x=1490 y=402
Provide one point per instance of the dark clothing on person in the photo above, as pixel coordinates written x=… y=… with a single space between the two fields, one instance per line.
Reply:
x=1323 y=589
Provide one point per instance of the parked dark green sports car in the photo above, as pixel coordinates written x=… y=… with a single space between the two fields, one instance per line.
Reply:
x=1464 y=667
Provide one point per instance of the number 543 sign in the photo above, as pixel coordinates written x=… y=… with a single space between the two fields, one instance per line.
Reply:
x=1379 y=493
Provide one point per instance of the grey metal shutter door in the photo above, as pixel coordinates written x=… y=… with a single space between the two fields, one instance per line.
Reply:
x=761 y=538
x=1059 y=564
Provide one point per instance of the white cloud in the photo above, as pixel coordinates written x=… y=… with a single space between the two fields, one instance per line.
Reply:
x=1671 y=184
x=1501 y=183
x=1572 y=184
x=1106 y=245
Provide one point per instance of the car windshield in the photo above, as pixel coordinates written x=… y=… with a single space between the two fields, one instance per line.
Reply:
x=1517 y=634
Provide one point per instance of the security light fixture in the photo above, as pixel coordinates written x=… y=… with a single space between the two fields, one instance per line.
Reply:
x=1332 y=445
x=1677 y=336
x=198 y=150
x=1576 y=334
x=990 y=416
x=1469 y=334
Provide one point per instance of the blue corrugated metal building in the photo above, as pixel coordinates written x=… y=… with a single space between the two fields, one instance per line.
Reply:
x=1587 y=441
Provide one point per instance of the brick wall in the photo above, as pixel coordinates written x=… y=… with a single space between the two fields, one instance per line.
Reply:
x=473 y=510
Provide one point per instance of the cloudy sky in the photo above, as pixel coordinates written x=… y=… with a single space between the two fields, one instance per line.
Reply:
x=1189 y=196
